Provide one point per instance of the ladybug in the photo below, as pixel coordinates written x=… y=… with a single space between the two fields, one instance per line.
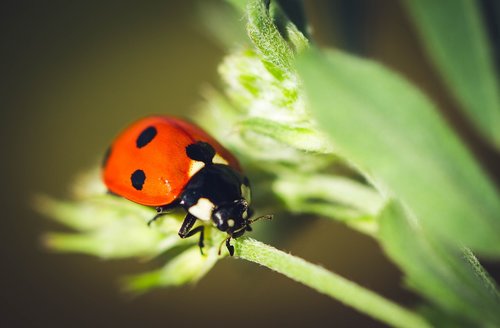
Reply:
x=166 y=162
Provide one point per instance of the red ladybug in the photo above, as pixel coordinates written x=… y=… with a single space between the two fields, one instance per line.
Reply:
x=166 y=162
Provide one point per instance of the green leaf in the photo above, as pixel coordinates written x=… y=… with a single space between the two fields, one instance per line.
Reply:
x=188 y=267
x=112 y=243
x=267 y=39
x=93 y=213
x=454 y=282
x=331 y=196
x=304 y=138
x=454 y=36
x=109 y=227
x=393 y=133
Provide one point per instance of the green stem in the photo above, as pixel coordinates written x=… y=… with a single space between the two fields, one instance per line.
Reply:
x=328 y=283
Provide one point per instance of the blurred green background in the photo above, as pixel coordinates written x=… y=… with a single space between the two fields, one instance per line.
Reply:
x=74 y=73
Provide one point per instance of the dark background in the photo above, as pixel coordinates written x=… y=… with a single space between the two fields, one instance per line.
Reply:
x=74 y=73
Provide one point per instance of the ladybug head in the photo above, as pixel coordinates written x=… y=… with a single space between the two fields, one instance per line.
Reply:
x=232 y=218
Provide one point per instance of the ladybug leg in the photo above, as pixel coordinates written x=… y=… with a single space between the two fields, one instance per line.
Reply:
x=201 y=230
x=159 y=212
x=185 y=231
x=229 y=247
x=162 y=210
x=188 y=223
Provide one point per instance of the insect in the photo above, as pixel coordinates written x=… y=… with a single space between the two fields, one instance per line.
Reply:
x=165 y=162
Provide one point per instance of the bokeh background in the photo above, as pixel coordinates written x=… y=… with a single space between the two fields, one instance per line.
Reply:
x=74 y=73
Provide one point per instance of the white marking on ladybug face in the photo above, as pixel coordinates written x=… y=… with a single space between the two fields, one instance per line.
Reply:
x=245 y=215
x=246 y=193
x=194 y=167
x=218 y=159
x=202 y=209
x=230 y=223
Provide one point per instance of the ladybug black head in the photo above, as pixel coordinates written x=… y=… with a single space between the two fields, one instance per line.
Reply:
x=232 y=218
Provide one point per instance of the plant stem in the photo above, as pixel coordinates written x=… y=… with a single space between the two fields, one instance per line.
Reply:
x=328 y=283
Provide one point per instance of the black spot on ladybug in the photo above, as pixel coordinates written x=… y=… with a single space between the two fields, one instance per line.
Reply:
x=201 y=151
x=137 y=178
x=146 y=136
x=106 y=157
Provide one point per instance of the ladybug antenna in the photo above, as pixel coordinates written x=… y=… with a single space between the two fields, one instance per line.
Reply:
x=267 y=217
x=201 y=152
